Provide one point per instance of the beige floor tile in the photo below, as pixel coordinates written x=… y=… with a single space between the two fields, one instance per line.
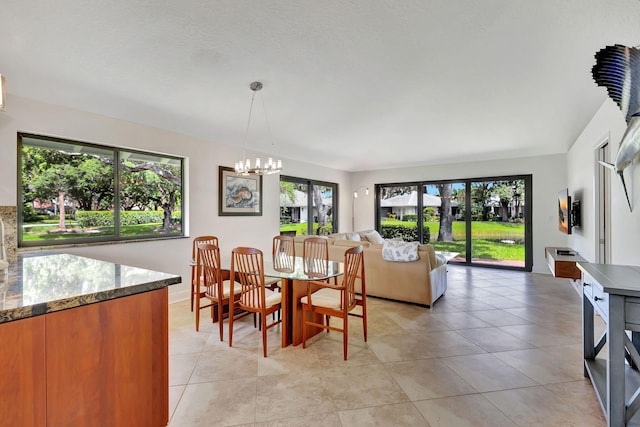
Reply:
x=362 y=386
x=449 y=343
x=499 y=318
x=494 y=339
x=401 y=347
x=459 y=320
x=539 y=406
x=472 y=410
x=329 y=419
x=181 y=367
x=541 y=336
x=291 y=395
x=485 y=372
x=213 y=404
x=551 y=365
x=225 y=363
x=399 y=415
x=428 y=379
x=175 y=394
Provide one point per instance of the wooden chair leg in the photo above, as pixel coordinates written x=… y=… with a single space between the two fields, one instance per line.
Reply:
x=264 y=339
x=220 y=317
x=345 y=337
x=230 y=325
x=192 y=289
x=304 y=329
x=198 y=313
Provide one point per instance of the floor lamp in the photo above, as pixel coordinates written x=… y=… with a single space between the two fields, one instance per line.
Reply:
x=353 y=205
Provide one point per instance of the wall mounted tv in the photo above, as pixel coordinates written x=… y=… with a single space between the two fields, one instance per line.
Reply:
x=564 y=211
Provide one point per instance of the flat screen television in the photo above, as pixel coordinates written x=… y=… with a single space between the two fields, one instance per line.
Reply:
x=564 y=211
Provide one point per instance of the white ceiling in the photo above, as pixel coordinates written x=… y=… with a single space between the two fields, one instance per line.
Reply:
x=350 y=84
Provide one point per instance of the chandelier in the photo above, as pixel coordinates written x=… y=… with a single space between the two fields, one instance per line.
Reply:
x=243 y=166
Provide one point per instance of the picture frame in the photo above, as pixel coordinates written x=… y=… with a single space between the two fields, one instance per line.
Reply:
x=239 y=195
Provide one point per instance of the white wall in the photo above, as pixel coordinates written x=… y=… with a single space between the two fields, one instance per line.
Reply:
x=201 y=209
x=625 y=226
x=549 y=177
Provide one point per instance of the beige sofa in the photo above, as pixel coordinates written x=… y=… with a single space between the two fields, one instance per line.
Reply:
x=422 y=281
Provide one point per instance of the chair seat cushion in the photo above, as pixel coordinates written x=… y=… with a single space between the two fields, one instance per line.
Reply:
x=325 y=297
x=226 y=289
x=272 y=298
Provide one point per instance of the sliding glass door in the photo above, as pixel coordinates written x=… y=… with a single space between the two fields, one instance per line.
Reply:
x=444 y=217
x=487 y=221
x=498 y=222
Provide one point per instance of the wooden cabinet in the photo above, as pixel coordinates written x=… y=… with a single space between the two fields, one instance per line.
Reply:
x=563 y=265
x=106 y=364
x=22 y=385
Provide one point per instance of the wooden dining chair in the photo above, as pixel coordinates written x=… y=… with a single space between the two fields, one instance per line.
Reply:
x=194 y=266
x=336 y=300
x=283 y=251
x=214 y=285
x=247 y=268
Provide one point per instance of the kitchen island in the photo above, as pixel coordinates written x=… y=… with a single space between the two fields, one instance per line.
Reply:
x=83 y=342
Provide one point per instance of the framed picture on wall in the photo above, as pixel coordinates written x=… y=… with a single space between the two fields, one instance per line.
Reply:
x=238 y=195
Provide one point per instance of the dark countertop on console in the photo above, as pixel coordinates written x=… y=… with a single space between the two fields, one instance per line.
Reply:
x=44 y=282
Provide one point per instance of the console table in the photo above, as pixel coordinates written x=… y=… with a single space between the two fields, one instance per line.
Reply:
x=563 y=265
x=613 y=291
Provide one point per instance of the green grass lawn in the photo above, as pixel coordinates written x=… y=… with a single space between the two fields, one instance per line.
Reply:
x=38 y=232
x=486 y=237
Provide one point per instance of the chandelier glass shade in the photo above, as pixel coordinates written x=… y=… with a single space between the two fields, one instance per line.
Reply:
x=244 y=166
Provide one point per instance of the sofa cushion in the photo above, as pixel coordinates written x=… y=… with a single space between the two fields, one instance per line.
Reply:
x=353 y=236
x=338 y=236
x=372 y=236
x=350 y=243
x=400 y=251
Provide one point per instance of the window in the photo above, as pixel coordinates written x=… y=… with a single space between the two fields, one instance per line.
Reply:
x=486 y=221
x=307 y=207
x=72 y=192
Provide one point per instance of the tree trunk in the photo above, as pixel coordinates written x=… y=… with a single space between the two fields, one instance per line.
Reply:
x=445 y=234
x=61 y=223
x=320 y=208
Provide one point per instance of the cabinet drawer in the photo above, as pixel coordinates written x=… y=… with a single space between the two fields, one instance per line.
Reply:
x=600 y=301
x=587 y=284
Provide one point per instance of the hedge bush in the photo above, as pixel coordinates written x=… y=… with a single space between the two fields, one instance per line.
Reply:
x=91 y=219
x=408 y=234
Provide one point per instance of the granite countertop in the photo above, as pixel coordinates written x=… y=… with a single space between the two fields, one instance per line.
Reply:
x=44 y=282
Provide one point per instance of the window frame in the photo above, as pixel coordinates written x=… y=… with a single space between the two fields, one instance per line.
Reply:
x=117 y=158
x=310 y=183
x=528 y=213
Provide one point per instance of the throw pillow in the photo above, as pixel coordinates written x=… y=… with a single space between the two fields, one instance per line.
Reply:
x=400 y=251
x=353 y=236
x=373 y=237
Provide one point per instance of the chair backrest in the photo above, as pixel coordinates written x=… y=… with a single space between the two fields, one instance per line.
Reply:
x=353 y=268
x=284 y=245
x=247 y=268
x=315 y=247
x=202 y=239
x=315 y=251
x=208 y=256
x=196 y=273
x=284 y=252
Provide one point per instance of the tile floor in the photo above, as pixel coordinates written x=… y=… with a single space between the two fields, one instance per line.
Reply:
x=501 y=348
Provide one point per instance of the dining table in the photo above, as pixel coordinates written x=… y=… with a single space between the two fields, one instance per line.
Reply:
x=294 y=273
